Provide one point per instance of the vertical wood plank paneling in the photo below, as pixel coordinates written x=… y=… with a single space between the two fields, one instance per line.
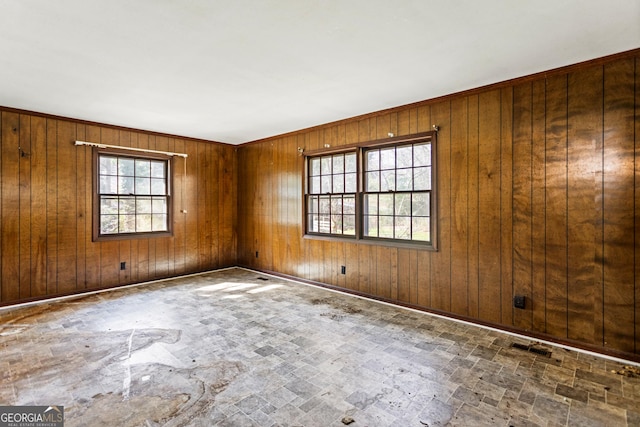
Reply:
x=522 y=206
x=93 y=264
x=38 y=160
x=66 y=218
x=404 y=275
x=619 y=321
x=489 y=206
x=82 y=214
x=506 y=205
x=383 y=271
x=192 y=254
x=473 y=206
x=538 y=209
x=441 y=285
x=556 y=206
x=459 y=206
x=25 y=206
x=636 y=213
x=10 y=213
x=584 y=137
x=422 y=124
x=52 y=207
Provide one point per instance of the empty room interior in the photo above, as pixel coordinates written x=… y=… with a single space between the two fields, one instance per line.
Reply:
x=321 y=213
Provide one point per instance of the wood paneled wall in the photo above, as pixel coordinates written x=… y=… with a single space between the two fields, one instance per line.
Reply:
x=46 y=243
x=538 y=195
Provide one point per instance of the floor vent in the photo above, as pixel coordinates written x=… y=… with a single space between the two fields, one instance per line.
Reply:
x=531 y=349
x=262 y=278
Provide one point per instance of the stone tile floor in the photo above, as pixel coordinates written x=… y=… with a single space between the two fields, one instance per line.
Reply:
x=238 y=348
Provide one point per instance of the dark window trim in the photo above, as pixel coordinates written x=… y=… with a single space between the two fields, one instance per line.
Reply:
x=96 y=236
x=359 y=147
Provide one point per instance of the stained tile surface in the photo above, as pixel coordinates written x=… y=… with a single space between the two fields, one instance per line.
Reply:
x=230 y=349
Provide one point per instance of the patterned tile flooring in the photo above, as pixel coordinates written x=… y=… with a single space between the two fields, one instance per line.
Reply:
x=238 y=348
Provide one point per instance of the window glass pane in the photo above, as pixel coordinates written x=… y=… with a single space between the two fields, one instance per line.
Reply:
x=421 y=229
x=325 y=165
x=315 y=185
x=371 y=226
x=143 y=223
x=126 y=166
x=127 y=205
x=388 y=180
x=325 y=203
x=158 y=186
x=324 y=224
x=422 y=155
x=373 y=160
x=386 y=204
x=388 y=158
x=338 y=163
x=143 y=186
x=315 y=166
x=108 y=205
x=349 y=224
x=349 y=205
x=108 y=165
x=336 y=205
x=404 y=156
x=143 y=168
x=403 y=228
x=403 y=204
x=371 y=204
x=158 y=169
x=159 y=205
x=386 y=227
x=351 y=185
x=420 y=204
x=422 y=178
x=108 y=224
x=126 y=185
x=313 y=223
x=372 y=181
x=108 y=185
x=158 y=222
x=143 y=205
x=127 y=224
x=350 y=162
x=404 y=179
x=313 y=205
x=338 y=183
x=325 y=184
x=336 y=224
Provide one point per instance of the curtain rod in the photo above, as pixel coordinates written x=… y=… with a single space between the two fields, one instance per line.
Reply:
x=144 y=150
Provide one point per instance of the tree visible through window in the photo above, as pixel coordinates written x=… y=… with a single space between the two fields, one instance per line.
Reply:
x=382 y=190
x=133 y=195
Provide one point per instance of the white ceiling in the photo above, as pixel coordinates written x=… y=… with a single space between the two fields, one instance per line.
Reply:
x=239 y=70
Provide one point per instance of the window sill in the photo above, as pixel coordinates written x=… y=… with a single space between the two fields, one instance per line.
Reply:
x=373 y=242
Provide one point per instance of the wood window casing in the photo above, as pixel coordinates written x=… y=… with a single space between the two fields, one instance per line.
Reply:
x=146 y=198
x=420 y=223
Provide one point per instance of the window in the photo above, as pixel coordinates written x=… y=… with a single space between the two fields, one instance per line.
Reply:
x=133 y=196
x=331 y=200
x=380 y=191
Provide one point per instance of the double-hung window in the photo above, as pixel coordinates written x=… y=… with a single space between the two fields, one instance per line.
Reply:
x=132 y=195
x=378 y=191
x=331 y=198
